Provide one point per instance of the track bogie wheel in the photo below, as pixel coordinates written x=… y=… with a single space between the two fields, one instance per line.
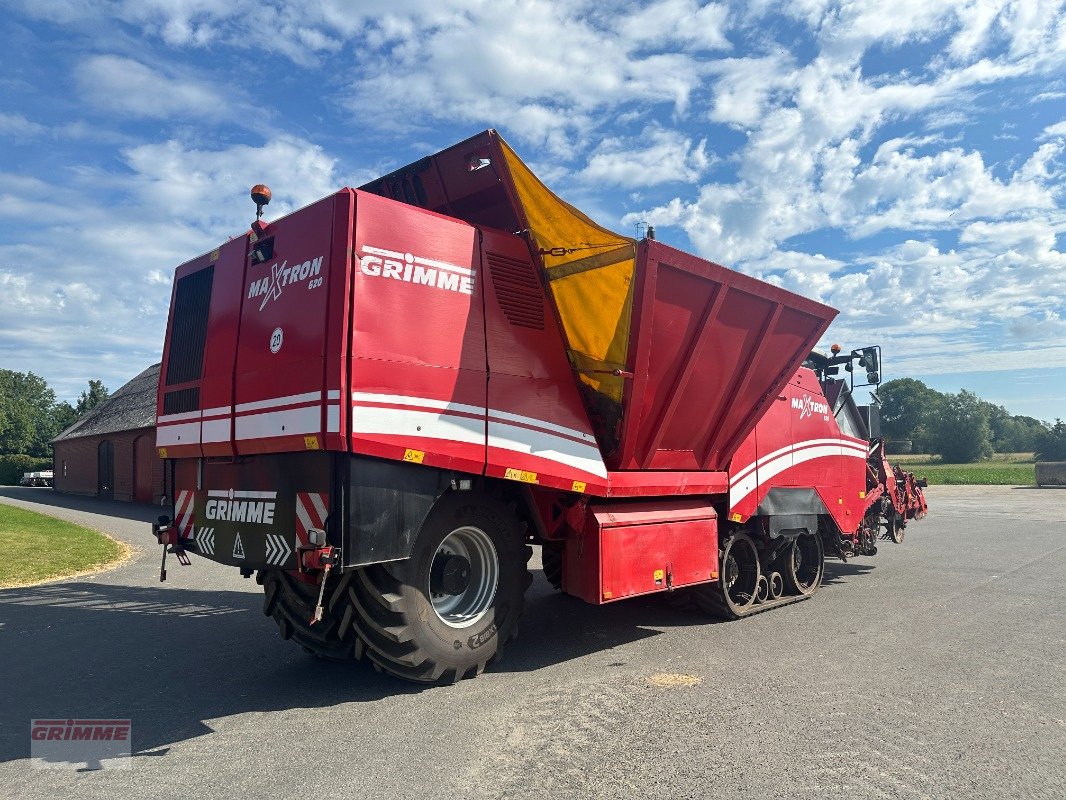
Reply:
x=804 y=565
x=735 y=593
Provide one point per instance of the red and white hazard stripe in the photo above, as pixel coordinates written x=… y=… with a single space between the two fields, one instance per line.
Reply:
x=312 y=508
x=183 y=513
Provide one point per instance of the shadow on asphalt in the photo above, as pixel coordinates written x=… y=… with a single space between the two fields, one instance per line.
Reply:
x=835 y=571
x=137 y=512
x=173 y=659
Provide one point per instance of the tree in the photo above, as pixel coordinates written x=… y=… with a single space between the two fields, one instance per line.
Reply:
x=26 y=422
x=908 y=408
x=1019 y=434
x=64 y=415
x=91 y=398
x=961 y=433
x=1052 y=444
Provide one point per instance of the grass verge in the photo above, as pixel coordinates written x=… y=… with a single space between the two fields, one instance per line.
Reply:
x=984 y=474
x=35 y=548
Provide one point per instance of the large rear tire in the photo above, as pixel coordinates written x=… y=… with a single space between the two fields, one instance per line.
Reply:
x=447 y=611
x=291 y=602
x=551 y=558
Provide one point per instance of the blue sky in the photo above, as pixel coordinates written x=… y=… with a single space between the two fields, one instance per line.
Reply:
x=905 y=166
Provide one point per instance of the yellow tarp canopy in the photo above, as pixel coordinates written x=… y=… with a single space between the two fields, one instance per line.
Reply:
x=590 y=270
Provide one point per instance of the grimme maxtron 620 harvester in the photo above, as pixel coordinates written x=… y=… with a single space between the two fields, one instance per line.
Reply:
x=380 y=401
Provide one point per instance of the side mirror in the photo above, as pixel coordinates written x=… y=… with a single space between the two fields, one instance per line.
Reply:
x=869 y=360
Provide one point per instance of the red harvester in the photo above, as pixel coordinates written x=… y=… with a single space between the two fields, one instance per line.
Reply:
x=379 y=402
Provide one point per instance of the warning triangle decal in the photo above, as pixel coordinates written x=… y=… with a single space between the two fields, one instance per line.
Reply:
x=238 y=547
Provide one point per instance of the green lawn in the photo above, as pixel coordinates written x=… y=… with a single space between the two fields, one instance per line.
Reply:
x=1000 y=470
x=35 y=548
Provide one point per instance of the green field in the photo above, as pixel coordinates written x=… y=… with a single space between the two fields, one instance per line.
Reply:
x=1014 y=469
x=35 y=548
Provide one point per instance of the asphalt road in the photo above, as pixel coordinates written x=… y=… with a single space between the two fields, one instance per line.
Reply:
x=935 y=669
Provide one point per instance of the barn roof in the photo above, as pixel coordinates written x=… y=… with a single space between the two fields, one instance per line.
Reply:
x=129 y=408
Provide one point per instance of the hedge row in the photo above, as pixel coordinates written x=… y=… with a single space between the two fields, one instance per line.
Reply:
x=12 y=467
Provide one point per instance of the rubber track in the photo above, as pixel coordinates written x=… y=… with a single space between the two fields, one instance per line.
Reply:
x=705 y=600
x=291 y=603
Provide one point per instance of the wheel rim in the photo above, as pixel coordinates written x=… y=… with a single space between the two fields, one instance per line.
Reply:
x=741 y=570
x=461 y=599
x=806 y=562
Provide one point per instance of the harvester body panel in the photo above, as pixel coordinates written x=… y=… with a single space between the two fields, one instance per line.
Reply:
x=798 y=444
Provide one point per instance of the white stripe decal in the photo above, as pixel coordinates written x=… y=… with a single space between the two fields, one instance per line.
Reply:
x=333 y=419
x=333 y=394
x=768 y=457
x=416 y=402
x=292 y=421
x=494 y=414
x=547 y=445
x=505 y=416
x=182 y=433
x=242 y=494
x=432 y=425
x=216 y=412
x=274 y=402
x=216 y=430
x=409 y=422
x=165 y=418
x=741 y=474
x=739 y=490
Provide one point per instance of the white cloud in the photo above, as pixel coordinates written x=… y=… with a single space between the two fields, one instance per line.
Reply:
x=682 y=22
x=1058 y=129
x=543 y=70
x=130 y=87
x=89 y=284
x=656 y=156
x=18 y=126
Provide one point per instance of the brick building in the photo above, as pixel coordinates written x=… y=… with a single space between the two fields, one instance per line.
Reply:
x=110 y=452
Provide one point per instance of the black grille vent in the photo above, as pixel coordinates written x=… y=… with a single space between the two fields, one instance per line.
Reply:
x=181 y=401
x=518 y=290
x=191 y=304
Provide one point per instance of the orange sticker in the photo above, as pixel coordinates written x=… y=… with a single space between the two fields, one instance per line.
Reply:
x=414 y=456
